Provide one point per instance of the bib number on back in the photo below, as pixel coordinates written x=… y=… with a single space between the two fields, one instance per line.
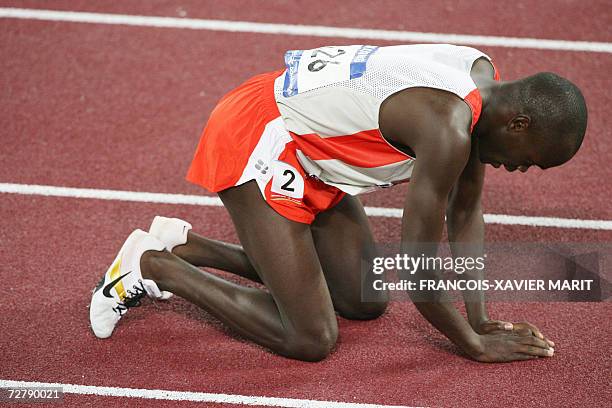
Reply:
x=310 y=69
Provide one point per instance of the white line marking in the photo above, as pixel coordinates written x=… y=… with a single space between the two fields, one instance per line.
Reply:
x=193 y=396
x=164 y=198
x=303 y=30
x=119 y=195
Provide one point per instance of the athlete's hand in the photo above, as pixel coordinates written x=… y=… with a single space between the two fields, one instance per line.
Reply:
x=522 y=328
x=505 y=346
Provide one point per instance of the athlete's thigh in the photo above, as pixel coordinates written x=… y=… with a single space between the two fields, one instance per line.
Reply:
x=345 y=245
x=283 y=254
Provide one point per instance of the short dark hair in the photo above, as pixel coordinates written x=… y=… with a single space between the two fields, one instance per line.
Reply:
x=557 y=110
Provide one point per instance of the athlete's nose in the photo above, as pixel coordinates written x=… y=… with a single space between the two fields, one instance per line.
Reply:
x=523 y=169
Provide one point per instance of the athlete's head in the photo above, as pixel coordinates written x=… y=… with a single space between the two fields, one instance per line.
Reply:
x=539 y=120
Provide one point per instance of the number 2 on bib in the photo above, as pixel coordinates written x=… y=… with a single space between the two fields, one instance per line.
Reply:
x=286 y=180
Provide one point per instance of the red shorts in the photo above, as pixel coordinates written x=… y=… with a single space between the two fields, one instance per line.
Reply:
x=245 y=139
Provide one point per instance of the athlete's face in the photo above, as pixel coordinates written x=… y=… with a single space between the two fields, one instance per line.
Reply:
x=500 y=153
x=511 y=146
x=520 y=152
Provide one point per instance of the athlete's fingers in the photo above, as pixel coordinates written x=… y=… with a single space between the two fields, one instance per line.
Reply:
x=534 y=341
x=536 y=332
x=522 y=331
x=536 y=351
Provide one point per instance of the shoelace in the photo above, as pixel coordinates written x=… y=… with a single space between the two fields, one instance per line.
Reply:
x=132 y=298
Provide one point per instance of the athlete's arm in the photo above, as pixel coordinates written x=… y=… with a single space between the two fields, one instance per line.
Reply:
x=465 y=225
x=435 y=128
x=422 y=225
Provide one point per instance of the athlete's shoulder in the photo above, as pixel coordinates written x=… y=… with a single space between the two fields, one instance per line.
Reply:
x=428 y=121
x=424 y=110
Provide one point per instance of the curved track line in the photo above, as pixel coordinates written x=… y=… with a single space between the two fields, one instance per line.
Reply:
x=165 y=198
x=302 y=30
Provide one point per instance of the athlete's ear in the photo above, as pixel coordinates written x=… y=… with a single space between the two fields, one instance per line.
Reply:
x=519 y=123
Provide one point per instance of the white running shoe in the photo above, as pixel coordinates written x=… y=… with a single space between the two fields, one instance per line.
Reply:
x=122 y=286
x=172 y=232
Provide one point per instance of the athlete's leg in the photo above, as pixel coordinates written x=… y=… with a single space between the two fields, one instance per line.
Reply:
x=345 y=246
x=296 y=317
x=201 y=251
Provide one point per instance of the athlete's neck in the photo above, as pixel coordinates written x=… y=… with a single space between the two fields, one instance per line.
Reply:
x=488 y=89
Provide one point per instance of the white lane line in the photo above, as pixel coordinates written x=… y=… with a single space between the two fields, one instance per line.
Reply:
x=164 y=198
x=192 y=396
x=118 y=195
x=303 y=30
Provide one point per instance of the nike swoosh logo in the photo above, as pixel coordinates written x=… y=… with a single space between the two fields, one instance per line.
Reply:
x=107 y=288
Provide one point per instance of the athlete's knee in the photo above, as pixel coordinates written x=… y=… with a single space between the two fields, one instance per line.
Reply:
x=313 y=345
x=313 y=348
x=362 y=310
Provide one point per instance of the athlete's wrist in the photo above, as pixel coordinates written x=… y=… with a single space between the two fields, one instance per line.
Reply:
x=473 y=345
x=477 y=320
x=476 y=314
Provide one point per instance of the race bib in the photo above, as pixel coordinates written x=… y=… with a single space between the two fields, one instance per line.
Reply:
x=310 y=69
x=286 y=180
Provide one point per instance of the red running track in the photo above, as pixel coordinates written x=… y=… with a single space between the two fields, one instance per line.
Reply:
x=121 y=108
x=58 y=247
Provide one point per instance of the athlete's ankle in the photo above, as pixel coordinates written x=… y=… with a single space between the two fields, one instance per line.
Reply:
x=183 y=251
x=194 y=251
x=149 y=265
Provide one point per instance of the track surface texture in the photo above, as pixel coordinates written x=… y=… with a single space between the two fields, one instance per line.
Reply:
x=117 y=107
